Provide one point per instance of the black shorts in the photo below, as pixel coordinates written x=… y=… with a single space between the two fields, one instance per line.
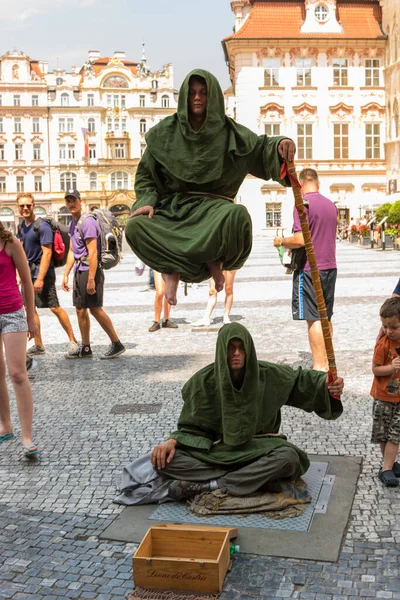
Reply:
x=80 y=297
x=304 y=306
x=47 y=298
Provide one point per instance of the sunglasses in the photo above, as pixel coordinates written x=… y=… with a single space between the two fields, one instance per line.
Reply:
x=25 y=205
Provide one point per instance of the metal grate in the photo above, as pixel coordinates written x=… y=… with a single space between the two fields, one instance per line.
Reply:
x=123 y=409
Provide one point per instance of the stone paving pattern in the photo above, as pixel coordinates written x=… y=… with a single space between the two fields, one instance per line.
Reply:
x=52 y=510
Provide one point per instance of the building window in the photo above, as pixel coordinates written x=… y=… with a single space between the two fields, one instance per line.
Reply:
x=304 y=141
x=372 y=140
x=372 y=67
x=91 y=125
x=303 y=71
x=18 y=152
x=396 y=119
x=340 y=71
x=123 y=101
x=92 y=150
x=71 y=151
x=1 y=125
x=93 y=182
x=2 y=152
x=59 y=81
x=273 y=214
x=20 y=183
x=271 y=129
x=64 y=100
x=123 y=124
x=109 y=125
x=142 y=149
x=17 y=125
x=62 y=152
x=61 y=125
x=119 y=180
x=116 y=126
x=3 y=186
x=165 y=101
x=38 y=183
x=70 y=125
x=90 y=99
x=1 y=99
x=142 y=101
x=271 y=72
x=67 y=181
x=143 y=126
x=17 y=100
x=116 y=101
x=341 y=140
x=35 y=100
x=321 y=13
x=35 y=125
x=36 y=152
x=119 y=151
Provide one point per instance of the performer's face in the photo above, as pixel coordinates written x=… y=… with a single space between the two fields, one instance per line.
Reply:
x=236 y=355
x=197 y=98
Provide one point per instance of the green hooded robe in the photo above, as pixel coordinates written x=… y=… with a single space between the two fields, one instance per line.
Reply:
x=220 y=424
x=189 y=230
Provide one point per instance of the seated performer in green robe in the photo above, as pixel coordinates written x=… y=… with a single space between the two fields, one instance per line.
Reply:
x=185 y=223
x=228 y=430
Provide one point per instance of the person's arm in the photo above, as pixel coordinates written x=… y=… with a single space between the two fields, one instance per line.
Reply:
x=21 y=264
x=91 y=245
x=163 y=453
x=47 y=250
x=294 y=241
x=266 y=160
x=312 y=392
x=68 y=267
x=385 y=370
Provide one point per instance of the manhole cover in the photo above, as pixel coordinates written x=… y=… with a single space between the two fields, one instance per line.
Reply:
x=123 y=409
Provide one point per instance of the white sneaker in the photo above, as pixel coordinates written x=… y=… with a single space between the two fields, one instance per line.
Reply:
x=226 y=319
x=73 y=347
x=202 y=323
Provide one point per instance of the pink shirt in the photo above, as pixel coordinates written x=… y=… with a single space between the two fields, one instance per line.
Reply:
x=10 y=296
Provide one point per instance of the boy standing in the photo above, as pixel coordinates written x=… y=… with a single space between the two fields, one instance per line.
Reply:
x=386 y=392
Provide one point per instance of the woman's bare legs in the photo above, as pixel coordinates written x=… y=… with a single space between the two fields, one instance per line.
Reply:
x=229 y=279
x=205 y=321
x=171 y=286
x=15 y=344
x=159 y=284
x=5 y=415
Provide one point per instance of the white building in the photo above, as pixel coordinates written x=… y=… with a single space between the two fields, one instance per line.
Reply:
x=313 y=70
x=84 y=129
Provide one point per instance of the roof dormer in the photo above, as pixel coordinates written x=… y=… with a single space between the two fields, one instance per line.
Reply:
x=321 y=17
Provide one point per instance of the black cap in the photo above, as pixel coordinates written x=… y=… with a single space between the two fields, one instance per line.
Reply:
x=72 y=194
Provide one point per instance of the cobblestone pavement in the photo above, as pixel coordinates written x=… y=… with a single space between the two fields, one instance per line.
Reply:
x=52 y=510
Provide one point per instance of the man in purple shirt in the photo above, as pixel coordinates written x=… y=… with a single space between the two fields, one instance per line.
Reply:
x=322 y=218
x=84 y=255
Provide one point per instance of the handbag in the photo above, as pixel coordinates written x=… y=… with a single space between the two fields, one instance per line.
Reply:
x=298 y=259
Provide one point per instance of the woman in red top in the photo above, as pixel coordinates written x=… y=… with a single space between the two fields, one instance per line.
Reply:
x=14 y=327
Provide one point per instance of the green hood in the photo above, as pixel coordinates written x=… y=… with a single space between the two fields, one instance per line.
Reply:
x=198 y=156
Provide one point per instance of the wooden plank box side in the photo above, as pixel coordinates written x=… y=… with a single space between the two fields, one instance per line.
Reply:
x=184 y=557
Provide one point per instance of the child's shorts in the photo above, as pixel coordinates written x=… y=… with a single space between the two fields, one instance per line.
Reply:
x=14 y=322
x=385 y=422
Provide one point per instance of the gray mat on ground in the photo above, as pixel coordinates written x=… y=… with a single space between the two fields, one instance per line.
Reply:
x=321 y=542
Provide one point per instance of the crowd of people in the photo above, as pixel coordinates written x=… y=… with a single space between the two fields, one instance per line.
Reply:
x=187 y=227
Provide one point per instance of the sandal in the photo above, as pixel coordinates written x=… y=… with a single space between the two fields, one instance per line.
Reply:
x=30 y=451
x=388 y=478
x=6 y=436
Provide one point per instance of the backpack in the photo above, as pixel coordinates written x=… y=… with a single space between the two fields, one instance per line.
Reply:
x=110 y=236
x=60 y=239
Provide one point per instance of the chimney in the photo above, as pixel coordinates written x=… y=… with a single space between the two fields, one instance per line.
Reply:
x=94 y=55
x=120 y=54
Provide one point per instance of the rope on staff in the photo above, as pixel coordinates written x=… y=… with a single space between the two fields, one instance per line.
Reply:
x=289 y=169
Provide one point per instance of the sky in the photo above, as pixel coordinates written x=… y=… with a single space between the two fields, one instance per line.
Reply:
x=186 y=33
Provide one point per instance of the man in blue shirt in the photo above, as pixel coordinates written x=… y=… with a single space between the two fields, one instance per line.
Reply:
x=38 y=252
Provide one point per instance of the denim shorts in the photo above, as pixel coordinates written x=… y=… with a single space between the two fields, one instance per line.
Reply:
x=14 y=322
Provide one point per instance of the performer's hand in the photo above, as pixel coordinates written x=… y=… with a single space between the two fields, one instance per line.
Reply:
x=277 y=242
x=287 y=149
x=163 y=454
x=145 y=210
x=336 y=387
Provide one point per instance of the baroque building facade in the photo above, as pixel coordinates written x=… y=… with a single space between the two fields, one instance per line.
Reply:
x=391 y=26
x=84 y=129
x=312 y=70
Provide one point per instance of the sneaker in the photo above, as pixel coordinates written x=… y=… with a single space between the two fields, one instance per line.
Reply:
x=226 y=320
x=29 y=362
x=155 y=327
x=202 y=323
x=388 y=478
x=115 y=349
x=36 y=350
x=184 y=490
x=73 y=347
x=169 y=324
x=82 y=351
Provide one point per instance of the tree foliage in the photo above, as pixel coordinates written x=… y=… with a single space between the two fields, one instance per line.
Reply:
x=394 y=213
x=383 y=211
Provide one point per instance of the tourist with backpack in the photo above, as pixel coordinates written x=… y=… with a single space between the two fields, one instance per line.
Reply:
x=39 y=239
x=96 y=241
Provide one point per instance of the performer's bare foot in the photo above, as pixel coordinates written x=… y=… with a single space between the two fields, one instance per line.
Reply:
x=171 y=286
x=216 y=274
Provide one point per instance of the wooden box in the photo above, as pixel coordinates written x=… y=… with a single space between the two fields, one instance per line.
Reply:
x=183 y=557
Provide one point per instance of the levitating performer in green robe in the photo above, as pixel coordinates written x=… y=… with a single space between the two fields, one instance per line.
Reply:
x=185 y=223
x=227 y=435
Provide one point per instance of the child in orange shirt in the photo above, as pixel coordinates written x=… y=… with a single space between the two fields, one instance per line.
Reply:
x=386 y=392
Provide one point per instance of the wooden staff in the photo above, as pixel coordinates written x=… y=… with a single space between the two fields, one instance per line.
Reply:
x=312 y=261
